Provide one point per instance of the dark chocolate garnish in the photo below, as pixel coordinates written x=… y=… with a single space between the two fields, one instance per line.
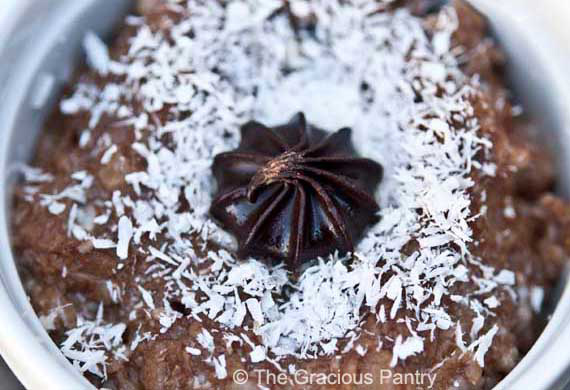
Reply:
x=295 y=192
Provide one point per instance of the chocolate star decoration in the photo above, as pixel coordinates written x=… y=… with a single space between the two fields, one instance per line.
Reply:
x=294 y=192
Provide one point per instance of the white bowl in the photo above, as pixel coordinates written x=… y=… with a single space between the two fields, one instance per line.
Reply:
x=35 y=61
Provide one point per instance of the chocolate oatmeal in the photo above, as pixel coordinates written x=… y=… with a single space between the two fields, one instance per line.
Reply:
x=418 y=245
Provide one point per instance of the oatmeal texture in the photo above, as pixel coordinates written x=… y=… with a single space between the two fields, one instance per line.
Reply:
x=142 y=290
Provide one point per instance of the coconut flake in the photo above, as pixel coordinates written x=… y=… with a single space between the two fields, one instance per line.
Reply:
x=257 y=355
x=193 y=351
x=108 y=155
x=125 y=235
x=97 y=53
x=220 y=367
x=404 y=349
x=482 y=345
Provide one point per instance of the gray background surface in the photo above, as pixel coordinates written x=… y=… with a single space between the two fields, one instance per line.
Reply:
x=7 y=380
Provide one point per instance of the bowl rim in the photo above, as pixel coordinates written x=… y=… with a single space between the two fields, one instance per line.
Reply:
x=546 y=364
x=40 y=367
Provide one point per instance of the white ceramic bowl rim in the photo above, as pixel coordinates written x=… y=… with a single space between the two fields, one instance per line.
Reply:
x=26 y=346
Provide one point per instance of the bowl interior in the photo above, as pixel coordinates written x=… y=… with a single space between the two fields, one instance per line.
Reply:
x=38 y=55
x=41 y=55
x=537 y=59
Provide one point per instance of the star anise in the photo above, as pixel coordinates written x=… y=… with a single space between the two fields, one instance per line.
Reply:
x=294 y=192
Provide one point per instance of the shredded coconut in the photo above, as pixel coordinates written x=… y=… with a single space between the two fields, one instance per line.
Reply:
x=408 y=103
x=88 y=344
x=97 y=53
